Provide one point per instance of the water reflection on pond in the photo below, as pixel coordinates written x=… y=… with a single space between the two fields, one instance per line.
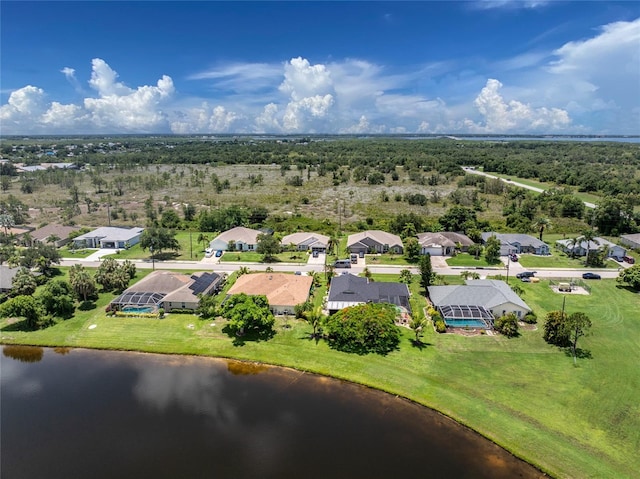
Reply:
x=106 y=414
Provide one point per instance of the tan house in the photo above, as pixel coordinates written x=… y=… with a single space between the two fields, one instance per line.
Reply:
x=242 y=239
x=43 y=235
x=374 y=241
x=443 y=243
x=283 y=291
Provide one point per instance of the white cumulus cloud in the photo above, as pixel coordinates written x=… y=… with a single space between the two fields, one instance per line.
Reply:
x=502 y=116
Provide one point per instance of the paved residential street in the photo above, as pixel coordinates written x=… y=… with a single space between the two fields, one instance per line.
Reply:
x=439 y=266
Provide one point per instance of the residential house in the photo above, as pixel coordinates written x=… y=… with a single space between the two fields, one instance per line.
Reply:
x=283 y=291
x=476 y=300
x=43 y=235
x=632 y=241
x=374 y=241
x=306 y=241
x=242 y=239
x=169 y=290
x=443 y=243
x=350 y=290
x=6 y=277
x=518 y=243
x=580 y=248
x=109 y=237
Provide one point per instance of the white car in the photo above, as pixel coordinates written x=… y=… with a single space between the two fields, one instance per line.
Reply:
x=208 y=253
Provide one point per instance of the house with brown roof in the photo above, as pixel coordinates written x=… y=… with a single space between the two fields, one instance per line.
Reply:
x=374 y=241
x=443 y=243
x=283 y=291
x=43 y=235
x=168 y=290
x=242 y=239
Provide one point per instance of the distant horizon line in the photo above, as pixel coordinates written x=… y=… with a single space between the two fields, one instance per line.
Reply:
x=320 y=135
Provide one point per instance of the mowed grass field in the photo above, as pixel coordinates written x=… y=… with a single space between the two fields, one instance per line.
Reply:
x=578 y=421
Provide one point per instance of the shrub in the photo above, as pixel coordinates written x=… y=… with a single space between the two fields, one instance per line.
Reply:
x=530 y=318
x=507 y=325
x=440 y=326
x=362 y=329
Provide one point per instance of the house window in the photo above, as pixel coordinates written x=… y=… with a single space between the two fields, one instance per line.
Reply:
x=250 y=246
x=184 y=306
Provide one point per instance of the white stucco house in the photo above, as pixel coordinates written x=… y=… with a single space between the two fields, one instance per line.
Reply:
x=109 y=237
x=242 y=239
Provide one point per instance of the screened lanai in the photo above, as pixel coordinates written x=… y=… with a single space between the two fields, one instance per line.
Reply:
x=134 y=298
x=466 y=316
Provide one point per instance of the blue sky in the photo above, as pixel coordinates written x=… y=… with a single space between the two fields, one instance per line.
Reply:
x=451 y=67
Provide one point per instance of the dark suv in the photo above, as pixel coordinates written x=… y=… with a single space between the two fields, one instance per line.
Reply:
x=526 y=274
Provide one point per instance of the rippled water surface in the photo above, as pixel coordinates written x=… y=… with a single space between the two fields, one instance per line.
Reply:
x=91 y=414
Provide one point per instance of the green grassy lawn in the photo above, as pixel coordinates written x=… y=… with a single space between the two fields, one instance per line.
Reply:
x=467 y=260
x=190 y=249
x=557 y=260
x=249 y=257
x=578 y=421
x=79 y=253
x=386 y=258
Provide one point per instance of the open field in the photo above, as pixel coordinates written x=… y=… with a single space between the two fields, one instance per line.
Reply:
x=467 y=260
x=557 y=260
x=572 y=421
x=248 y=257
x=588 y=197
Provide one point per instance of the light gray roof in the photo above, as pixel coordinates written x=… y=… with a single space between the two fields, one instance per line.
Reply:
x=308 y=239
x=461 y=238
x=378 y=236
x=239 y=234
x=112 y=233
x=6 y=277
x=594 y=244
x=510 y=238
x=634 y=237
x=488 y=293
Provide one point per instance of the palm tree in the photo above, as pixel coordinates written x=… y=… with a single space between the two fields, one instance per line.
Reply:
x=541 y=224
x=243 y=270
x=366 y=272
x=53 y=238
x=314 y=318
x=589 y=236
x=6 y=221
x=573 y=244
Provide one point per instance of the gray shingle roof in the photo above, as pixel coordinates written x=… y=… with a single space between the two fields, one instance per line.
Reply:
x=510 y=238
x=348 y=288
x=488 y=293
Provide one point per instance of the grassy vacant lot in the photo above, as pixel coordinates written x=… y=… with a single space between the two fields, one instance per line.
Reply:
x=467 y=260
x=557 y=260
x=572 y=421
x=248 y=257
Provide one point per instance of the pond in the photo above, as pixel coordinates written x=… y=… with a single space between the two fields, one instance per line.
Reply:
x=81 y=413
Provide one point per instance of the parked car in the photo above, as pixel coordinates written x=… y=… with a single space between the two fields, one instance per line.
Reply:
x=315 y=253
x=526 y=274
x=629 y=259
x=354 y=259
x=591 y=276
x=342 y=263
x=208 y=253
x=219 y=253
x=513 y=257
